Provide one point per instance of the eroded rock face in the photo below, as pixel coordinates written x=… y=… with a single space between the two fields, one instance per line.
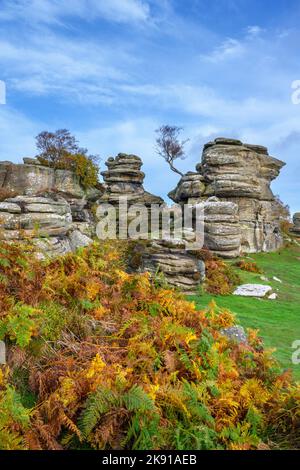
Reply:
x=32 y=178
x=125 y=178
x=44 y=221
x=222 y=230
x=237 y=173
x=180 y=268
x=296 y=221
x=51 y=208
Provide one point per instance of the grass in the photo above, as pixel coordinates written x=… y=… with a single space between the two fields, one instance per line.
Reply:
x=278 y=320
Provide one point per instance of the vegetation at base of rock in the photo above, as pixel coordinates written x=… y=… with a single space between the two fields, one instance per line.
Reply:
x=116 y=362
x=60 y=150
x=249 y=266
x=220 y=279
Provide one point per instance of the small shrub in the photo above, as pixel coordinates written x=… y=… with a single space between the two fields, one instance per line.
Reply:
x=221 y=278
x=249 y=266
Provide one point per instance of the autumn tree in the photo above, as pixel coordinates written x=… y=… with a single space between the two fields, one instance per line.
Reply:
x=60 y=149
x=168 y=145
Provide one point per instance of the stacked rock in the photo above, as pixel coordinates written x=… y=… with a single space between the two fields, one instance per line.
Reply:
x=45 y=221
x=170 y=257
x=125 y=178
x=296 y=221
x=222 y=231
x=242 y=174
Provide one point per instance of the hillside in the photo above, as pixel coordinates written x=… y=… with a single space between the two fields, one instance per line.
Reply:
x=279 y=320
x=101 y=359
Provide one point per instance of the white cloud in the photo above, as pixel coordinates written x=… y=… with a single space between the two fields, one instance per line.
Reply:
x=229 y=49
x=254 y=31
x=80 y=70
x=54 y=11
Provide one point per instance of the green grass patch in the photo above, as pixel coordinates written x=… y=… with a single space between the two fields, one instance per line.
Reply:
x=278 y=320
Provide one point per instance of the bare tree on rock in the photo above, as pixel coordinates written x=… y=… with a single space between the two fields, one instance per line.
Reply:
x=168 y=145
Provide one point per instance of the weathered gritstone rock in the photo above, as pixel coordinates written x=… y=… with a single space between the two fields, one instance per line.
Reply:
x=125 y=178
x=44 y=221
x=180 y=268
x=252 y=290
x=222 y=231
x=32 y=215
x=78 y=240
x=296 y=221
x=190 y=189
x=169 y=257
x=49 y=206
x=32 y=178
x=241 y=174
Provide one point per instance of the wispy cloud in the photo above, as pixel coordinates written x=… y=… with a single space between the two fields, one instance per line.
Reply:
x=254 y=31
x=54 y=11
x=229 y=49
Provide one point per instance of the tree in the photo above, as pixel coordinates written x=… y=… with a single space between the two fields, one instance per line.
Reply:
x=169 y=147
x=60 y=149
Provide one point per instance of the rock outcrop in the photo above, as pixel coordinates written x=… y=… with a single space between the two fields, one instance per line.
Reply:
x=222 y=230
x=167 y=256
x=31 y=178
x=42 y=220
x=180 y=268
x=125 y=178
x=49 y=207
x=240 y=174
x=296 y=224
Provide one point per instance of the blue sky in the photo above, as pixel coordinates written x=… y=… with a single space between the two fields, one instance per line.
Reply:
x=112 y=71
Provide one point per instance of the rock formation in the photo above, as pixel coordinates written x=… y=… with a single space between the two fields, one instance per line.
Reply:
x=240 y=174
x=296 y=224
x=168 y=256
x=31 y=178
x=125 y=178
x=49 y=206
x=222 y=230
x=181 y=268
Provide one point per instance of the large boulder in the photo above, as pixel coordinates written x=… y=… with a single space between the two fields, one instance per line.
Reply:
x=169 y=257
x=296 y=224
x=125 y=178
x=44 y=221
x=237 y=173
x=31 y=178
